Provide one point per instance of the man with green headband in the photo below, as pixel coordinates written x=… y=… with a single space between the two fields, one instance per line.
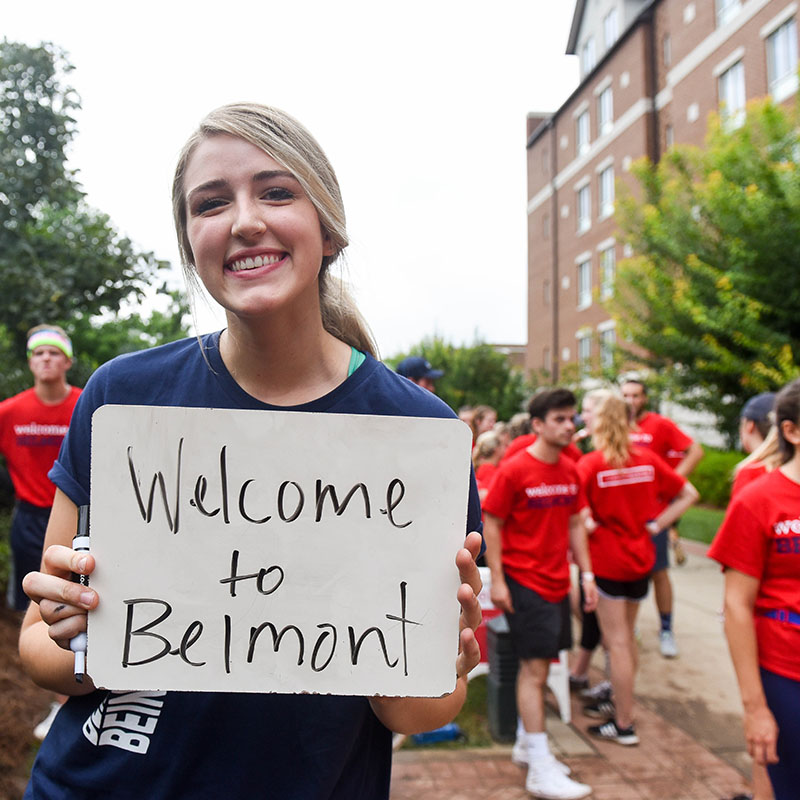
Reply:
x=32 y=426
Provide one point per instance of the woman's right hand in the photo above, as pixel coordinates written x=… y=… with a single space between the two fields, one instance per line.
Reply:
x=63 y=603
x=761 y=733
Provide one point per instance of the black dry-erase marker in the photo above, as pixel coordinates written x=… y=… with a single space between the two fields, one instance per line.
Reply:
x=80 y=543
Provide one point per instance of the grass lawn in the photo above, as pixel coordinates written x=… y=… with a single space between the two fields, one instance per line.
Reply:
x=472 y=720
x=701 y=523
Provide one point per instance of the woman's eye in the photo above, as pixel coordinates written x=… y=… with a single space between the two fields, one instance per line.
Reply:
x=208 y=204
x=278 y=193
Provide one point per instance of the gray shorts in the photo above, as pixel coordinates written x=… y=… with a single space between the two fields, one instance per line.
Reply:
x=538 y=628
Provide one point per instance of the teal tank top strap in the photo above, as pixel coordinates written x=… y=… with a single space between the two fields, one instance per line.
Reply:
x=357 y=358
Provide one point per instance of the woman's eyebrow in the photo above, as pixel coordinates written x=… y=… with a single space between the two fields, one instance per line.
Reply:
x=220 y=183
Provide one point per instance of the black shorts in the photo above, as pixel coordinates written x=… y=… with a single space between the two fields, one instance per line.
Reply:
x=661 y=541
x=28 y=526
x=623 y=590
x=538 y=628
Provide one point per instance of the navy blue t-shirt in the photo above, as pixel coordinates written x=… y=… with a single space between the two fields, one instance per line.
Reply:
x=174 y=745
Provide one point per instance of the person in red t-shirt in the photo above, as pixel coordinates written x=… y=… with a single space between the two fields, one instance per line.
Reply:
x=759 y=440
x=531 y=518
x=486 y=455
x=624 y=487
x=32 y=426
x=758 y=546
x=667 y=440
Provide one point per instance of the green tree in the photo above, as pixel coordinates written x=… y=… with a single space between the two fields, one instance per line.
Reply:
x=60 y=259
x=710 y=298
x=473 y=375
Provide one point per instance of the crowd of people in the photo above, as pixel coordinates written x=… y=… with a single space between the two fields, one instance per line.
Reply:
x=260 y=221
x=607 y=496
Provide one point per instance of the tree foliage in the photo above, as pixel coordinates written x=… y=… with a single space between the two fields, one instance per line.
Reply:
x=61 y=261
x=709 y=298
x=473 y=375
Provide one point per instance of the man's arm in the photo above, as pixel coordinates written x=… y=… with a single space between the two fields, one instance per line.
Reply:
x=492 y=534
x=693 y=455
x=580 y=554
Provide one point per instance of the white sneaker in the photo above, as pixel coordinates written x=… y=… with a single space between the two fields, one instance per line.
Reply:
x=668 y=645
x=548 y=782
x=519 y=756
x=40 y=731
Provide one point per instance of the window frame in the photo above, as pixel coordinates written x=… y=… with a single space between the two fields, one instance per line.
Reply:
x=605 y=111
x=786 y=84
x=584 y=284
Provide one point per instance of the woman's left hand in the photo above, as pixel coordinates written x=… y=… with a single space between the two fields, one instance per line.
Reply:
x=469 y=652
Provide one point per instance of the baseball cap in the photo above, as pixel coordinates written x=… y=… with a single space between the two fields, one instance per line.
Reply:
x=758 y=408
x=418 y=367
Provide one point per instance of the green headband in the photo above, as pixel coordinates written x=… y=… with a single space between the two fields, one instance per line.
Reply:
x=52 y=338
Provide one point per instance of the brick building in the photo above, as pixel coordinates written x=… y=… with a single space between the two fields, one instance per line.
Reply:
x=651 y=71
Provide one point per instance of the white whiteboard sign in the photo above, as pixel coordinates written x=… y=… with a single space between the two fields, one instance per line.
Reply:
x=265 y=551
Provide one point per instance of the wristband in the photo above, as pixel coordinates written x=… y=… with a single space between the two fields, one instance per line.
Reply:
x=587 y=576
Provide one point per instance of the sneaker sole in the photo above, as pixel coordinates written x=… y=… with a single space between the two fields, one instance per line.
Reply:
x=550 y=796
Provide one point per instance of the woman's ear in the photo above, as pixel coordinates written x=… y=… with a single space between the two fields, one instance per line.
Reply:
x=327 y=245
x=790 y=432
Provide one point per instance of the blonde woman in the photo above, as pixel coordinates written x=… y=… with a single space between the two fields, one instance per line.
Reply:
x=626 y=487
x=260 y=220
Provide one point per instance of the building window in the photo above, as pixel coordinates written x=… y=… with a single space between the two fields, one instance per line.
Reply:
x=608 y=272
x=582 y=134
x=584 y=209
x=610 y=30
x=667 y=50
x=584 y=284
x=584 y=350
x=545 y=226
x=669 y=136
x=547 y=294
x=731 y=95
x=546 y=161
x=727 y=10
x=608 y=341
x=588 y=56
x=782 y=61
x=547 y=363
x=605 y=111
x=607 y=192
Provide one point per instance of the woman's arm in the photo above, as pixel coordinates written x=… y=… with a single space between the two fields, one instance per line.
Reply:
x=417 y=714
x=685 y=498
x=58 y=610
x=760 y=729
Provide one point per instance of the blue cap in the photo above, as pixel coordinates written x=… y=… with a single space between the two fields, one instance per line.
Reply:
x=758 y=408
x=417 y=367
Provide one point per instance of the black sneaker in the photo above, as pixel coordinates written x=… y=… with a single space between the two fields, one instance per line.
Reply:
x=578 y=684
x=611 y=732
x=602 y=709
x=600 y=691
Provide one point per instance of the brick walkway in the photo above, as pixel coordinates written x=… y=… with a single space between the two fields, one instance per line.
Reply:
x=688 y=720
x=668 y=764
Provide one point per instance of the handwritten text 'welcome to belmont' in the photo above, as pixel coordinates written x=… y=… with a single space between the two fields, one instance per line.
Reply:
x=256 y=503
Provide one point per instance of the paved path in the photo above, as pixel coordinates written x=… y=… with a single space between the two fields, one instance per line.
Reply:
x=688 y=720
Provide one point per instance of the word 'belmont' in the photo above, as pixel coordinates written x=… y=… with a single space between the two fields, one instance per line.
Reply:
x=290 y=500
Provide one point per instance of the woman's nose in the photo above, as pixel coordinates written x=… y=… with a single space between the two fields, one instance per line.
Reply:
x=249 y=222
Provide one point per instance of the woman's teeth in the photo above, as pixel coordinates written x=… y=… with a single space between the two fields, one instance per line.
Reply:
x=252 y=263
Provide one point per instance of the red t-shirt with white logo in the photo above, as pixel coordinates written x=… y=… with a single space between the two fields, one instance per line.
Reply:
x=760 y=536
x=571 y=451
x=536 y=500
x=30 y=438
x=622 y=500
x=662 y=436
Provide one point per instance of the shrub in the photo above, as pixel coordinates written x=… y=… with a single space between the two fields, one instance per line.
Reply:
x=714 y=474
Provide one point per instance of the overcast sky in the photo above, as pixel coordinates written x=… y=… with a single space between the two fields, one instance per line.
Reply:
x=420 y=106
